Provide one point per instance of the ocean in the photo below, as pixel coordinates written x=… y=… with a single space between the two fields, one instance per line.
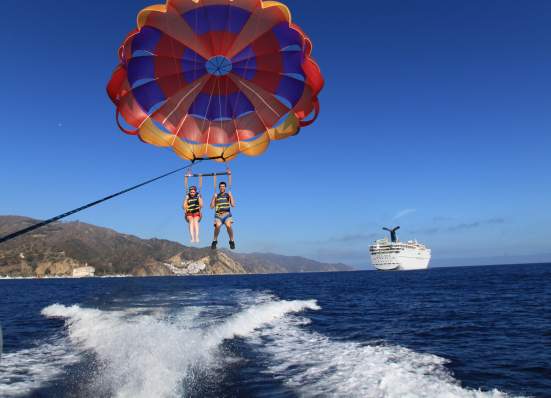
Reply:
x=445 y=332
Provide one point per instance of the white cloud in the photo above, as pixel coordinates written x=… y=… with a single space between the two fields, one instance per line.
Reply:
x=403 y=213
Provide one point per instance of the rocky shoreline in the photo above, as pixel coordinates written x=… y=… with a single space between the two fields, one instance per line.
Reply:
x=58 y=249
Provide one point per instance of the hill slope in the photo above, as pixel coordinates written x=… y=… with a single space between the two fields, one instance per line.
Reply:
x=59 y=247
x=276 y=263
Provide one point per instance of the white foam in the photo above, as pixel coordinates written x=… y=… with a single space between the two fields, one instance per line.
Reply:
x=143 y=353
x=314 y=365
x=25 y=370
x=144 y=356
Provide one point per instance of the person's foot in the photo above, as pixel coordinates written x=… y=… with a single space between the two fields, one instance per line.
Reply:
x=213 y=244
x=232 y=244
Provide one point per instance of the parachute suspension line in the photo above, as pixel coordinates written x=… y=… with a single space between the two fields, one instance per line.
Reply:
x=266 y=128
x=200 y=83
x=237 y=135
x=173 y=53
x=180 y=85
x=205 y=119
x=260 y=98
x=220 y=103
x=228 y=173
x=188 y=173
x=211 y=92
x=239 y=92
x=181 y=124
x=91 y=204
x=227 y=88
x=229 y=180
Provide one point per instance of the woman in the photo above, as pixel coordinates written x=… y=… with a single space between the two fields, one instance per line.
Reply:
x=193 y=203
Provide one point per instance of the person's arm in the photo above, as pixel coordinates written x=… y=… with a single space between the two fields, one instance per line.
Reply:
x=213 y=202
x=200 y=203
x=184 y=204
x=232 y=200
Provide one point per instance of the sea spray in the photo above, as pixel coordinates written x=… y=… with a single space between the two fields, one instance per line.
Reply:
x=143 y=356
x=317 y=366
x=27 y=369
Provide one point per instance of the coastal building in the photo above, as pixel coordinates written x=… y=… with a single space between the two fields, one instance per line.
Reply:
x=83 y=272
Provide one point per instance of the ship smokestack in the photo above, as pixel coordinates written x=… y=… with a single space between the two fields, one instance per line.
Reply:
x=392 y=233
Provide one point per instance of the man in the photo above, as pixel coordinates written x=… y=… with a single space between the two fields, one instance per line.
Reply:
x=193 y=203
x=222 y=203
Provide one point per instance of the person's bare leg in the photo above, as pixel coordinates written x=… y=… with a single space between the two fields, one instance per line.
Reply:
x=192 y=229
x=217 y=225
x=189 y=220
x=230 y=230
x=230 y=234
x=196 y=227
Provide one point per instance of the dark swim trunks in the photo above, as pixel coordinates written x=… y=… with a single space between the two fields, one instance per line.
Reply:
x=223 y=217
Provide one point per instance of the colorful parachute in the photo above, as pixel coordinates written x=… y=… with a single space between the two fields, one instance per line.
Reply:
x=215 y=78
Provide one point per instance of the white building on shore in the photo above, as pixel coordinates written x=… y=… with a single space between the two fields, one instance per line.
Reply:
x=83 y=272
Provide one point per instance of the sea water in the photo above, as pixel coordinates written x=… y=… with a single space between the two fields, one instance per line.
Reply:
x=455 y=332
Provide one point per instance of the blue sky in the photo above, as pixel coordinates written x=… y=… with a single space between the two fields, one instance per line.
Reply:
x=436 y=116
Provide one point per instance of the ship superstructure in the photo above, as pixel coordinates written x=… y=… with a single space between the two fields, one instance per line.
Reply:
x=395 y=255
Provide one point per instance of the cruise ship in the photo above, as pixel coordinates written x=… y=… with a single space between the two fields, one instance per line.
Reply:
x=394 y=255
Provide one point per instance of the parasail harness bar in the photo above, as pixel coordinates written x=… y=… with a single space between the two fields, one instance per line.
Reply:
x=200 y=176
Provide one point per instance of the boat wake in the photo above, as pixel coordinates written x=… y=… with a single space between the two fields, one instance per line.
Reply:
x=137 y=353
x=316 y=366
x=143 y=356
x=28 y=369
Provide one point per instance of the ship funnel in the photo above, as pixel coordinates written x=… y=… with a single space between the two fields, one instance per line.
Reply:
x=392 y=233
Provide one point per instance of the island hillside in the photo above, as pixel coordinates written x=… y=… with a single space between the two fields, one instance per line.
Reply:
x=58 y=248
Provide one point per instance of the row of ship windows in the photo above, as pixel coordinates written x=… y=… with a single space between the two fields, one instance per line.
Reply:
x=397 y=247
x=387 y=252
x=394 y=248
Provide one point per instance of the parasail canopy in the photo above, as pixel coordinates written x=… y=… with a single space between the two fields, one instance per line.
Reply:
x=215 y=78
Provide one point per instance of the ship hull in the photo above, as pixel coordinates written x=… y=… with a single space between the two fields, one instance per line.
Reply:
x=400 y=262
